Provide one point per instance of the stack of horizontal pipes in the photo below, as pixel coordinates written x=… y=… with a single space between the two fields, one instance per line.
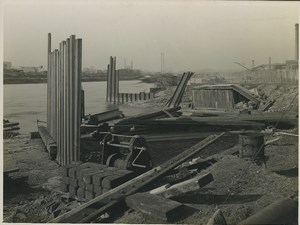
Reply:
x=112 y=90
x=64 y=110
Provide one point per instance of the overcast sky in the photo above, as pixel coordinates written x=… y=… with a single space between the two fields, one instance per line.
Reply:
x=194 y=35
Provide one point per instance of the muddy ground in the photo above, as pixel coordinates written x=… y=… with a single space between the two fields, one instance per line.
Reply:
x=240 y=187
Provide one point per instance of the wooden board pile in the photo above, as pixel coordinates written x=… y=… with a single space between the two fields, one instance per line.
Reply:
x=85 y=181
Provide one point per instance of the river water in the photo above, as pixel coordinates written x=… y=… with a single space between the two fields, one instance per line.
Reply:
x=25 y=103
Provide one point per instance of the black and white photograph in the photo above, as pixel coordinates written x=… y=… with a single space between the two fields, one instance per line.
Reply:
x=150 y=112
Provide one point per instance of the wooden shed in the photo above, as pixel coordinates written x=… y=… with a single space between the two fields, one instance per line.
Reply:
x=224 y=96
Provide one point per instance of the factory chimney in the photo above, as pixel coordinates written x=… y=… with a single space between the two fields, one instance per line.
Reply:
x=297 y=41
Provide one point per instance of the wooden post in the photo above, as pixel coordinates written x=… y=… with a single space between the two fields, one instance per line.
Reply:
x=48 y=83
x=192 y=184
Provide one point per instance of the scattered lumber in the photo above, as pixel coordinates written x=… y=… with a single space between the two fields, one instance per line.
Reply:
x=192 y=184
x=92 y=209
x=12 y=128
x=104 y=116
x=11 y=124
x=126 y=123
x=48 y=141
x=283 y=211
x=215 y=122
x=267 y=105
x=155 y=206
x=271 y=141
x=288 y=134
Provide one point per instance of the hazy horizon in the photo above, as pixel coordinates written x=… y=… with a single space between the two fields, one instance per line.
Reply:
x=194 y=35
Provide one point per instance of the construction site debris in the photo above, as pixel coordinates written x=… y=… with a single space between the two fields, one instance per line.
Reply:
x=193 y=184
x=146 y=203
x=119 y=193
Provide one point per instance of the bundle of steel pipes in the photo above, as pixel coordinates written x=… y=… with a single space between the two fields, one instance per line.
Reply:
x=64 y=98
x=112 y=90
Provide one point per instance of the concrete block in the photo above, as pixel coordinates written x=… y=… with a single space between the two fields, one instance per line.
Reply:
x=64 y=187
x=73 y=191
x=89 y=195
x=74 y=182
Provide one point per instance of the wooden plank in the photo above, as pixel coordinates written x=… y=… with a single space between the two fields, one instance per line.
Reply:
x=11 y=128
x=104 y=116
x=48 y=141
x=10 y=124
x=91 y=210
x=155 y=206
x=192 y=184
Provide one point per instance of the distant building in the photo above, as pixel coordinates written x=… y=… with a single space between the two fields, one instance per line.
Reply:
x=89 y=70
x=291 y=64
x=31 y=69
x=7 y=65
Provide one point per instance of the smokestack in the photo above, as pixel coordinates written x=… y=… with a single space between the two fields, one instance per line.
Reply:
x=253 y=65
x=297 y=41
x=270 y=63
x=162 y=62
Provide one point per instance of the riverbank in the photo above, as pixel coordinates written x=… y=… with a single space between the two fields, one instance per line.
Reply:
x=12 y=76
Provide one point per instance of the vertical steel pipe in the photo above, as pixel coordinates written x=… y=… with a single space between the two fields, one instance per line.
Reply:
x=58 y=109
x=48 y=83
x=67 y=101
x=77 y=95
x=107 y=82
x=113 y=81
x=117 y=85
x=72 y=96
x=110 y=78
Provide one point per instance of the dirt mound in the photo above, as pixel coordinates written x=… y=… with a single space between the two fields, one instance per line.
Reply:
x=285 y=96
